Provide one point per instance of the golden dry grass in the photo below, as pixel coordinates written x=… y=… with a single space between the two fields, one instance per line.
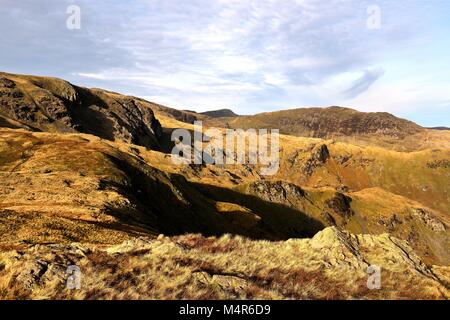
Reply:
x=56 y=189
x=332 y=265
x=62 y=188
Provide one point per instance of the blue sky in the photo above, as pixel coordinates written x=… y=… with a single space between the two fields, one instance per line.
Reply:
x=248 y=55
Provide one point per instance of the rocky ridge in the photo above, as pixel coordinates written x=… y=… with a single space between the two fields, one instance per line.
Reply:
x=332 y=265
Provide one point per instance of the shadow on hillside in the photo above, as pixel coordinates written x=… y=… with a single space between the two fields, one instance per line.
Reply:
x=278 y=222
x=171 y=205
x=89 y=119
x=166 y=140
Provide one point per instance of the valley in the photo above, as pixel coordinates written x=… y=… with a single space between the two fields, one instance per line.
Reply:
x=87 y=178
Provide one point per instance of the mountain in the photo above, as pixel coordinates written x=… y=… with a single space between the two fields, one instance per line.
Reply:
x=220 y=113
x=327 y=122
x=87 y=189
x=440 y=128
x=54 y=105
x=86 y=175
x=341 y=124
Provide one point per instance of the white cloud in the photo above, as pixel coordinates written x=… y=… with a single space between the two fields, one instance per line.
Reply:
x=364 y=82
x=251 y=55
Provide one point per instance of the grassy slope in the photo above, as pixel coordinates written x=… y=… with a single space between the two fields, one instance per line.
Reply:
x=62 y=188
x=383 y=183
x=414 y=167
x=79 y=188
x=344 y=125
x=420 y=175
x=332 y=265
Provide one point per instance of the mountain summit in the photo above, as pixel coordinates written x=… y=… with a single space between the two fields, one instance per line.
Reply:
x=221 y=113
x=326 y=122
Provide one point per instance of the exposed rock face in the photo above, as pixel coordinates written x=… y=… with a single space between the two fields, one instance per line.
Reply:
x=431 y=222
x=319 y=155
x=6 y=83
x=332 y=265
x=278 y=192
x=340 y=204
x=48 y=104
x=328 y=218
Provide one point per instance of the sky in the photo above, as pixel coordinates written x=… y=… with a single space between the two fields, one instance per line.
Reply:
x=248 y=55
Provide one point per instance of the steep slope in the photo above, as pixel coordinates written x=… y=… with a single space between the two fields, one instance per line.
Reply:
x=419 y=175
x=362 y=189
x=105 y=189
x=51 y=104
x=54 y=105
x=370 y=211
x=72 y=187
x=62 y=188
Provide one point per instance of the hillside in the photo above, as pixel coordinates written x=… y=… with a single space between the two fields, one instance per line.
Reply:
x=440 y=128
x=66 y=188
x=220 y=113
x=327 y=122
x=63 y=188
x=54 y=105
x=86 y=176
x=331 y=265
x=342 y=124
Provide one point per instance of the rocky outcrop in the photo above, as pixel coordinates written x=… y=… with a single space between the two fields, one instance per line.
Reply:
x=48 y=104
x=6 y=83
x=332 y=265
x=277 y=192
x=340 y=204
x=319 y=154
x=429 y=220
x=443 y=163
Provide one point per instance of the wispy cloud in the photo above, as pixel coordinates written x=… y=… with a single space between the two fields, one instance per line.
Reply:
x=253 y=55
x=364 y=82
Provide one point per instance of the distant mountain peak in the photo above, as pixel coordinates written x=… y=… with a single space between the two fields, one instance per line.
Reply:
x=328 y=122
x=220 y=113
x=439 y=128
